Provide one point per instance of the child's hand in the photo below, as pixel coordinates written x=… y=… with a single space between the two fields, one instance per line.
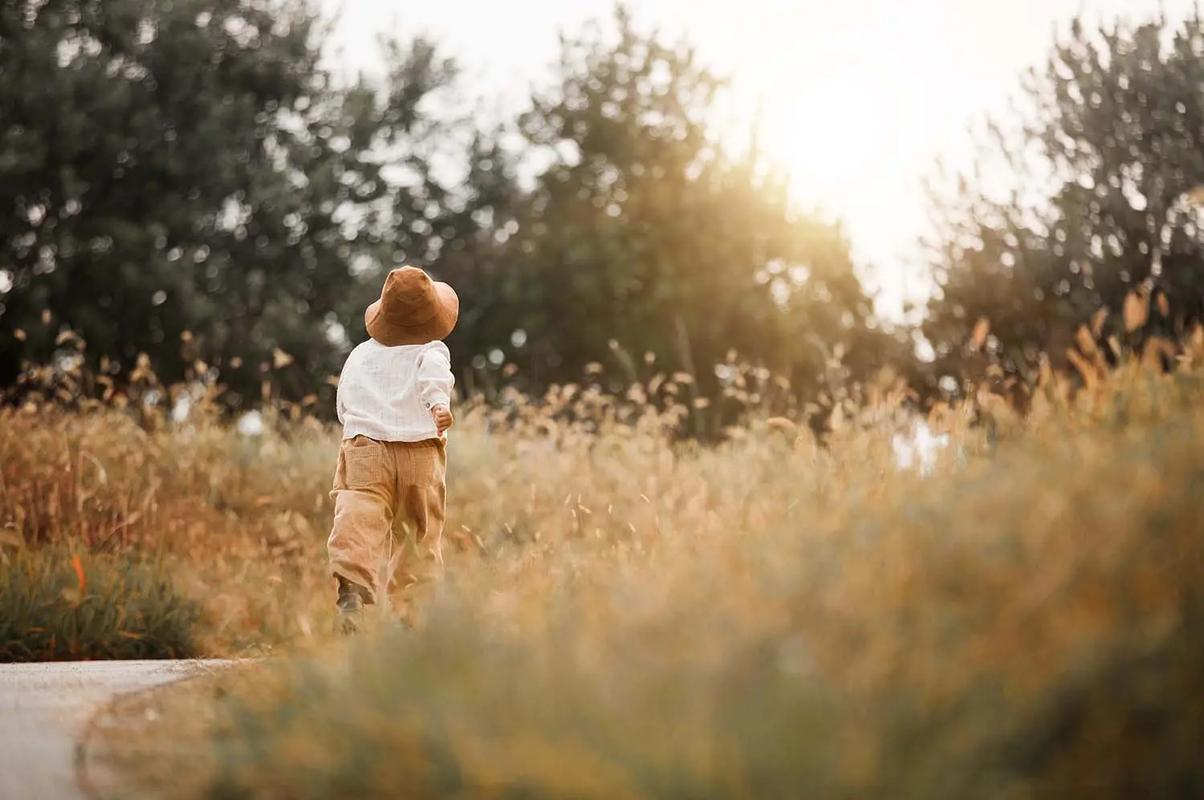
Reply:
x=443 y=418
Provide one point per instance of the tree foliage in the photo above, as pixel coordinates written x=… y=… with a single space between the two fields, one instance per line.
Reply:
x=182 y=178
x=644 y=234
x=1102 y=211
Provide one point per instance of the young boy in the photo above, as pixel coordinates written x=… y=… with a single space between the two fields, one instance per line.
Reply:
x=395 y=406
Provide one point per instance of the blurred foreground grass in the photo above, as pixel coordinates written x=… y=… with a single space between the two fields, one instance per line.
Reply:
x=632 y=616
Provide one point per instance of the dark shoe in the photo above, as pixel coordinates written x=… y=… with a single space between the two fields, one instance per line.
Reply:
x=351 y=602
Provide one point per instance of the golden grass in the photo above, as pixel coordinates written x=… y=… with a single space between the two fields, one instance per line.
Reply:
x=630 y=615
x=237 y=520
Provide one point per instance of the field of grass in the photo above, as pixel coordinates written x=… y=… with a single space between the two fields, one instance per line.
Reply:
x=627 y=614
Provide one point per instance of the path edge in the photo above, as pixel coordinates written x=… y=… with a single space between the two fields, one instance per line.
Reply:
x=188 y=669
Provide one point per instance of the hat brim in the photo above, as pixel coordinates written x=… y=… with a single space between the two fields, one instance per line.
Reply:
x=393 y=334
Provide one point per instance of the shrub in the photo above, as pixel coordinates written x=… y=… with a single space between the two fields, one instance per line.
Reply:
x=57 y=606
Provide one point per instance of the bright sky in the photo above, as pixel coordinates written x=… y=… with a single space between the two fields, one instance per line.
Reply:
x=858 y=97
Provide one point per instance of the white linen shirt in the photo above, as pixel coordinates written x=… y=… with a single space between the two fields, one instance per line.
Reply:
x=387 y=393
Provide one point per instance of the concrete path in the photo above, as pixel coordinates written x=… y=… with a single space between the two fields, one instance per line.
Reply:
x=44 y=709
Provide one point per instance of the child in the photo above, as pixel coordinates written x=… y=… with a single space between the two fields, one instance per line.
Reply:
x=395 y=406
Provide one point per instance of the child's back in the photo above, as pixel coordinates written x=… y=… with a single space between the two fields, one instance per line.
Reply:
x=387 y=393
x=390 y=481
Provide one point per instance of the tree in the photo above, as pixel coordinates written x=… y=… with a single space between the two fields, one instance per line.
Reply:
x=643 y=233
x=181 y=178
x=1114 y=134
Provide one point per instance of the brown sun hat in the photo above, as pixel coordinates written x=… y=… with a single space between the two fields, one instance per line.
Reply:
x=412 y=309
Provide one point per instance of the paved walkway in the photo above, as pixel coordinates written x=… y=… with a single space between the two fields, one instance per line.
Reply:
x=44 y=709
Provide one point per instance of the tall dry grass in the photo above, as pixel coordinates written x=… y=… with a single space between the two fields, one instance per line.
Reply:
x=628 y=614
x=236 y=521
x=239 y=519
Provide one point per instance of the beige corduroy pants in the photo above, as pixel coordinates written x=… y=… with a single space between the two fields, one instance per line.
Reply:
x=389 y=502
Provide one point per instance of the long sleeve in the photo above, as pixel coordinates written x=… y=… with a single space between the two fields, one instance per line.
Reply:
x=338 y=398
x=340 y=392
x=435 y=377
x=386 y=393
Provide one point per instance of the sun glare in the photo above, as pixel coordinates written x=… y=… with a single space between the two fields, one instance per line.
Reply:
x=850 y=133
x=829 y=130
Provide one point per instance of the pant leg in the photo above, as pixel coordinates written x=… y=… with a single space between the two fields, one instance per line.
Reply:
x=364 y=500
x=421 y=490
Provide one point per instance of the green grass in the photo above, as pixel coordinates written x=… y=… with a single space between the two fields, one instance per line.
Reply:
x=59 y=606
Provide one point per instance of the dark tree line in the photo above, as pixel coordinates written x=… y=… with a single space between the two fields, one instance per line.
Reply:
x=1102 y=227
x=183 y=178
x=641 y=232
